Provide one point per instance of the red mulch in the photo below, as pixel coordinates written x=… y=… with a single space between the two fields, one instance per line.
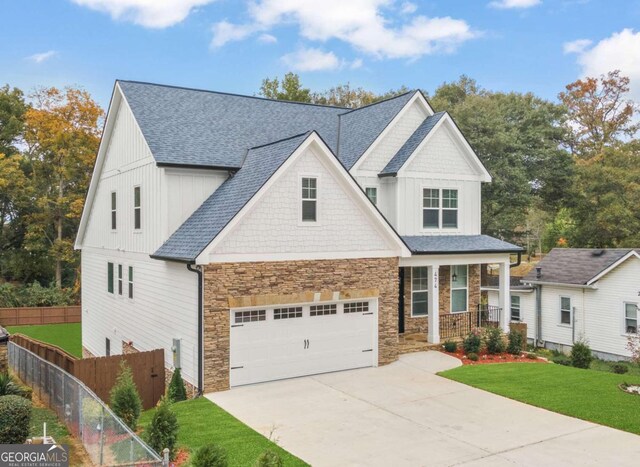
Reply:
x=499 y=358
x=182 y=457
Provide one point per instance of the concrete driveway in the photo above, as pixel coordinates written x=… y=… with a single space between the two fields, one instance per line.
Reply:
x=403 y=414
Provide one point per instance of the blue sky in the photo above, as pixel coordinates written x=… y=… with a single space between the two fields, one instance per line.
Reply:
x=521 y=45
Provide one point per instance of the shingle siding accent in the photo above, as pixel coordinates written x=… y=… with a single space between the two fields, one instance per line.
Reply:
x=228 y=284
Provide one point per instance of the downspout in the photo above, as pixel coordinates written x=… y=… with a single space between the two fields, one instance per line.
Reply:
x=538 y=289
x=198 y=271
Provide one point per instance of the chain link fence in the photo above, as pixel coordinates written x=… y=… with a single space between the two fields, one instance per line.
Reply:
x=106 y=439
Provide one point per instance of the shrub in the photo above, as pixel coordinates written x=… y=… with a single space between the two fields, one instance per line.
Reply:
x=493 y=340
x=210 y=455
x=125 y=400
x=35 y=295
x=581 y=355
x=619 y=368
x=15 y=418
x=163 y=429
x=473 y=356
x=472 y=343
x=561 y=360
x=269 y=459
x=532 y=356
x=10 y=387
x=450 y=346
x=176 y=391
x=514 y=347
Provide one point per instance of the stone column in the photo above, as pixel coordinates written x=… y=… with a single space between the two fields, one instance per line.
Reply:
x=433 y=305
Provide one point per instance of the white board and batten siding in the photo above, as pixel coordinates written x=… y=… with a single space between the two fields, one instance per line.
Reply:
x=527 y=307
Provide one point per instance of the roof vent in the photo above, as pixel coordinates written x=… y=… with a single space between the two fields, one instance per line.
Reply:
x=597 y=253
x=538 y=272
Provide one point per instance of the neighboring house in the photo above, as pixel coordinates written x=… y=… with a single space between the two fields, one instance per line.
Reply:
x=574 y=294
x=255 y=239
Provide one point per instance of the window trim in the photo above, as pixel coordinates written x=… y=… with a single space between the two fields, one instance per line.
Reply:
x=570 y=310
x=412 y=315
x=375 y=196
x=110 y=278
x=422 y=197
x=624 y=318
x=301 y=200
x=120 y=279
x=137 y=208
x=130 y=282
x=113 y=200
x=451 y=288
x=519 y=307
x=441 y=208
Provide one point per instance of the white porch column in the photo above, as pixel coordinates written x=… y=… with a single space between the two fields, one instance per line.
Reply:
x=504 y=296
x=433 y=305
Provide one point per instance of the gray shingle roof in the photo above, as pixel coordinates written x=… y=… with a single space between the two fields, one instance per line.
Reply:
x=214 y=214
x=359 y=128
x=575 y=265
x=452 y=244
x=411 y=144
x=203 y=128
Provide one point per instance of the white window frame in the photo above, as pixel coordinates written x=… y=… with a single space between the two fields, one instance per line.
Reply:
x=519 y=308
x=137 y=208
x=624 y=318
x=440 y=209
x=570 y=310
x=443 y=209
x=426 y=290
x=430 y=208
x=120 y=279
x=113 y=205
x=130 y=294
x=301 y=199
x=111 y=276
x=374 y=200
x=452 y=288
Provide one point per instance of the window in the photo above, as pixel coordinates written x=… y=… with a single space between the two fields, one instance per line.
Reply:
x=631 y=317
x=250 y=316
x=372 y=194
x=309 y=199
x=107 y=347
x=450 y=209
x=119 y=279
x=286 y=313
x=565 y=310
x=419 y=291
x=430 y=208
x=356 y=307
x=515 y=308
x=130 y=281
x=321 y=310
x=113 y=210
x=136 y=208
x=110 y=277
x=459 y=288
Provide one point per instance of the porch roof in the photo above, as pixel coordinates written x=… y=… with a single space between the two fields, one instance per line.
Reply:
x=457 y=244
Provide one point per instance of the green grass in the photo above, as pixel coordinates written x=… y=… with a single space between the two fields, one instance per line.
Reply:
x=585 y=394
x=66 y=336
x=202 y=422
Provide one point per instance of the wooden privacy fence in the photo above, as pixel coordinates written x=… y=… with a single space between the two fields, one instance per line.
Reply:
x=39 y=315
x=100 y=373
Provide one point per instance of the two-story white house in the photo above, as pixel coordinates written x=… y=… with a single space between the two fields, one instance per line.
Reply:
x=256 y=240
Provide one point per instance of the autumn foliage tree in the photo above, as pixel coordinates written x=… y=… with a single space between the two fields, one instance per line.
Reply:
x=62 y=134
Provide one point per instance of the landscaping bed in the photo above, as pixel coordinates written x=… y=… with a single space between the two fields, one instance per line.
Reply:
x=484 y=358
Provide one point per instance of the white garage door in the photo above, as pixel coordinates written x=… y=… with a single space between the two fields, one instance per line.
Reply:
x=296 y=340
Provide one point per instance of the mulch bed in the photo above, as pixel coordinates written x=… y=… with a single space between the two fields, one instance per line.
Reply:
x=485 y=358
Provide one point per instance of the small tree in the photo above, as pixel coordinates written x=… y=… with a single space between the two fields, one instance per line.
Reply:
x=581 y=355
x=176 y=391
x=269 y=459
x=210 y=455
x=163 y=430
x=125 y=400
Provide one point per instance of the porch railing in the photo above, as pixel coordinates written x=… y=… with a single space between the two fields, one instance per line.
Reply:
x=461 y=324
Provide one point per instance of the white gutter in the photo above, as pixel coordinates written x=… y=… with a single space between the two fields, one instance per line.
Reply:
x=561 y=284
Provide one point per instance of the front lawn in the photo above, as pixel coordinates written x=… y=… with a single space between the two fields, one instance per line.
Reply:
x=67 y=336
x=586 y=394
x=202 y=422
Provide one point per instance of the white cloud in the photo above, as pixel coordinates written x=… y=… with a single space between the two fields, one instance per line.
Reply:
x=42 y=57
x=510 y=4
x=620 y=51
x=357 y=63
x=310 y=59
x=268 y=38
x=359 y=23
x=577 y=46
x=225 y=31
x=147 y=13
x=407 y=8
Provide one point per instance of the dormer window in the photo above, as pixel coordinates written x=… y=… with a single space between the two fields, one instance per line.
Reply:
x=309 y=199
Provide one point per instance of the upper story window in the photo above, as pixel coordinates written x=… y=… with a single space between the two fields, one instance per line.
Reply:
x=515 y=308
x=136 y=208
x=372 y=194
x=459 y=288
x=565 y=310
x=119 y=279
x=439 y=208
x=419 y=291
x=113 y=210
x=110 y=277
x=630 y=318
x=130 y=281
x=309 y=199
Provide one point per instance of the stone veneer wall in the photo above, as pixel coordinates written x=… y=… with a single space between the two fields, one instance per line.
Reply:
x=419 y=324
x=229 y=285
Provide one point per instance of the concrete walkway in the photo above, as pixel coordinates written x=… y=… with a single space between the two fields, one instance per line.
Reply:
x=403 y=414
